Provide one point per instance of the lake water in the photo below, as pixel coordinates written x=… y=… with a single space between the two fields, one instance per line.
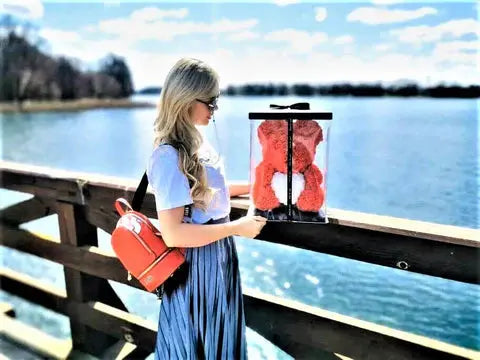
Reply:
x=411 y=158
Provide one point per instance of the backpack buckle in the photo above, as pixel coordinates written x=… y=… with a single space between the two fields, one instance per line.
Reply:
x=159 y=292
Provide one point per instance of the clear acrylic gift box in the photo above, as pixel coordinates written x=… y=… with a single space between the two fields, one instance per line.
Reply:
x=288 y=163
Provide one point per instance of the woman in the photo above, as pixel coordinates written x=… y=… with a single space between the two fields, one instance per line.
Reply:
x=201 y=314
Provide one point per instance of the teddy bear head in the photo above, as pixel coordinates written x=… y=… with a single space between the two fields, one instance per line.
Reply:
x=272 y=134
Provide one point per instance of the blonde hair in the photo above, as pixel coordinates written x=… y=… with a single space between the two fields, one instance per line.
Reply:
x=189 y=79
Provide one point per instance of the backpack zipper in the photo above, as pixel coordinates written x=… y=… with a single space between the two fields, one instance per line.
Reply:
x=155 y=263
x=140 y=240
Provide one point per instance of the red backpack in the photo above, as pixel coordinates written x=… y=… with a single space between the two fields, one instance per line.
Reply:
x=139 y=245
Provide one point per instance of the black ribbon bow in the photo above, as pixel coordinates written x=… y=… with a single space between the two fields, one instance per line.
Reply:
x=296 y=106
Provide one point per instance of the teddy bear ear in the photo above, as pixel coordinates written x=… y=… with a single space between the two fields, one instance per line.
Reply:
x=308 y=128
x=270 y=128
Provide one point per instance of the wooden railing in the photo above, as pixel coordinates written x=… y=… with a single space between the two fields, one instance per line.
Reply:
x=102 y=326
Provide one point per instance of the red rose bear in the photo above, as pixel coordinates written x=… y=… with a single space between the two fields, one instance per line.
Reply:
x=270 y=186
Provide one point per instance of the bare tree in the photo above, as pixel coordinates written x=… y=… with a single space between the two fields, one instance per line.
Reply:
x=105 y=86
x=116 y=67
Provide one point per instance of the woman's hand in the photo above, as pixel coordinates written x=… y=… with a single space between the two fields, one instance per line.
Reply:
x=175 y=233
x=249 y=226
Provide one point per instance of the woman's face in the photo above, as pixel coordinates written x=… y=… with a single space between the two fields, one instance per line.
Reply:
x=200 y=113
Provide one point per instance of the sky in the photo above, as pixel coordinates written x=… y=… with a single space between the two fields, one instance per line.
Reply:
x=276 y=41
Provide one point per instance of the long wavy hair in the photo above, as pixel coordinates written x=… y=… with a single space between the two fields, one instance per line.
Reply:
x=189 y=79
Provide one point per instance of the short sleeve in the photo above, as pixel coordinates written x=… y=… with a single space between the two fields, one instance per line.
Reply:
x=169 y=183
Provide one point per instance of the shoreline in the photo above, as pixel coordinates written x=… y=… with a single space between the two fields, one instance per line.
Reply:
x=71 y=105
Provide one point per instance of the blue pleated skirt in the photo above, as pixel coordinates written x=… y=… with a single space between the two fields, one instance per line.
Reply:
x=202 y=314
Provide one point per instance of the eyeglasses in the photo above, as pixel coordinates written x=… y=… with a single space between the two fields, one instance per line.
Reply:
x=212 y=104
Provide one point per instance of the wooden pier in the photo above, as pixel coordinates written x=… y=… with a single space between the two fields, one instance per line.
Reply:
x=102 y=326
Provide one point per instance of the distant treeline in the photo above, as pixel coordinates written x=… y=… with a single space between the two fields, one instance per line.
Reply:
x=28 y=73
x=150 y=90
x=439 y=91
x=355 y=90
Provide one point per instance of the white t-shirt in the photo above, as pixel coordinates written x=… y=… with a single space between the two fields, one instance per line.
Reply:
x=171 y=188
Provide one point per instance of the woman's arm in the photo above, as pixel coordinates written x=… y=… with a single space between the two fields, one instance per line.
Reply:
x=238 y=188
x=175 y=233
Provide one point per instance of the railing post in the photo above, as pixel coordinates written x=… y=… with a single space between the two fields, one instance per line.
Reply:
x=75 y=230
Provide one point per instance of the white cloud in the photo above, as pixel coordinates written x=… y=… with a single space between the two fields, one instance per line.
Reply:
x=56 y=36
x=285 y=2
x=454 y=46
x=28 y=9
x=243 y=36
x=299 y=41
x=153 y=13
x=89 y=44
x=299 y=61
x=463 y=52
x=344 y=39
x=375 y=16
x=322 y=67
x=386 y=2
x=147 y=25
x=120 y=35
x=320 y=14
x=90 y=51
x=425 y=33
x=142 y=64
x=448 y=62
x=276 y=65
x=226 y=25
x=383 y=47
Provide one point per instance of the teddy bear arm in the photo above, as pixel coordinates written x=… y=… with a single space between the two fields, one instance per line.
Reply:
x=312 y=197
x=316 y=173
x=264 y=197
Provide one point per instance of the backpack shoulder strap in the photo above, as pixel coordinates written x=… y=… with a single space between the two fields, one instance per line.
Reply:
x=141 y=191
